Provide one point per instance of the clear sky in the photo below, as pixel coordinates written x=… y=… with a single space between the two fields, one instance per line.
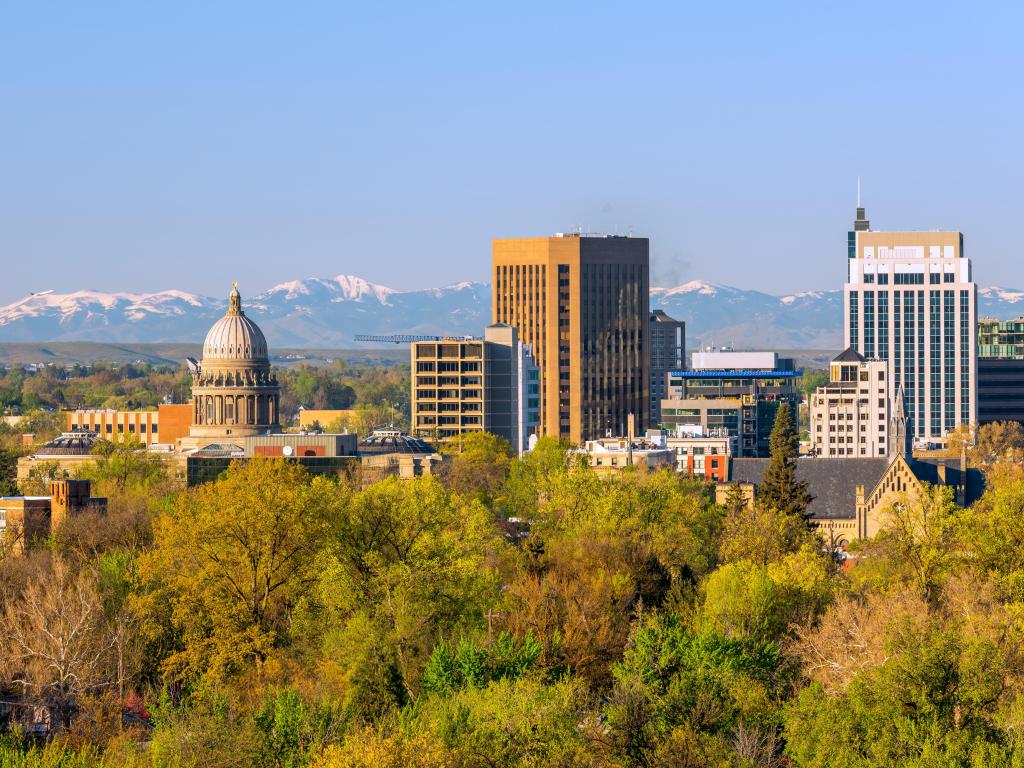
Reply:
x=184 y=144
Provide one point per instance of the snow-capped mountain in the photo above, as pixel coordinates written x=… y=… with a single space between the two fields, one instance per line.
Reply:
x=329 y=312
x=316 y=312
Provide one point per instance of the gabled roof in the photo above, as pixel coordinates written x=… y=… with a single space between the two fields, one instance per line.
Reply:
x=849 y=355
x=832 y=482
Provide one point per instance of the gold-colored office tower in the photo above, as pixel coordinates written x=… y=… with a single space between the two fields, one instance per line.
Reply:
x=581 y=302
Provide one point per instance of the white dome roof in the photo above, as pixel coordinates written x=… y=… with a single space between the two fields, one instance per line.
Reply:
x=235 y=336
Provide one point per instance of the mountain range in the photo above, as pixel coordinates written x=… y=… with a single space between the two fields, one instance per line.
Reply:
x=330 y=312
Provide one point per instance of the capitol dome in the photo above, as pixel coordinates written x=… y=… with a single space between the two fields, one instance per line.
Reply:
x=234 y=390
x=235 y=336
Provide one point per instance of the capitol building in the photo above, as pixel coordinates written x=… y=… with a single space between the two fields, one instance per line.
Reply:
x=234 y=392
x=234 y=414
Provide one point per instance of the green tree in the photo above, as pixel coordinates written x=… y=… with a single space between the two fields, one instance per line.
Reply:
x=936 y=687
x=780 y=489
x=452 y=667
x=123 y=466
x=412 y=563
x=681 y=691
x=767 y=602
x=761 y=534
x=8 y=472
x=531 y=476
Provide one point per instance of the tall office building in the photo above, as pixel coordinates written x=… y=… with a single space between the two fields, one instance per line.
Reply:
x=581 y=302
x=668 y=353
x=910 y=300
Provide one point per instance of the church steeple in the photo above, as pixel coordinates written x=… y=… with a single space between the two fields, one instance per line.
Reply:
x=900 y=435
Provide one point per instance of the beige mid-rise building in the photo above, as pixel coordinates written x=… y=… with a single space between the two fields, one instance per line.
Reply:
x=463 y=385
x=581 y=302
x=910 y=300
x=850 y=414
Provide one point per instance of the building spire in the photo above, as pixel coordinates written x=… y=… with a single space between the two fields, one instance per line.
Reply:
x=900 y=438
x=235 y=300
x=861 y=223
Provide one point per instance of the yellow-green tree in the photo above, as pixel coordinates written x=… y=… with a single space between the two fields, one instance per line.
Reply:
x=478 y=464
x=229 y=563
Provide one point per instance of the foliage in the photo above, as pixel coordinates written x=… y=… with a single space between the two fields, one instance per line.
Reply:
x=273 y=619
x=694 y=689
x=478 y=466
x=780 y=489
x=230 y=561
x=453 y=667
x=411 y=565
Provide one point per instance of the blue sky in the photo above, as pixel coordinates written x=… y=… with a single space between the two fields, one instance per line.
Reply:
x=154 y=145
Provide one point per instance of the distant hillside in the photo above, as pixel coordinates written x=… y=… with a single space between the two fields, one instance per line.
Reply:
x=86 y=352
x=327 y=313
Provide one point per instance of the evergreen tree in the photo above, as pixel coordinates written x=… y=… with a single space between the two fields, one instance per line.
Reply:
x=780 y=489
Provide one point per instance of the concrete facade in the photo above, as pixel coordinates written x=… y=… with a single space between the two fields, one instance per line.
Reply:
x=668 y=353
x=461 y=386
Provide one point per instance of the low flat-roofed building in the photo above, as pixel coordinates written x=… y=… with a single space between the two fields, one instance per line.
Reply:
x=612 y=454
x=69 y=451
x=391 y=452
x=319 y=453
x=164 y=425
x=701 y=453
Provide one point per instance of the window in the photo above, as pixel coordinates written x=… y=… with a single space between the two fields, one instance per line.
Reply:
x=881 y=375
x=933 y=278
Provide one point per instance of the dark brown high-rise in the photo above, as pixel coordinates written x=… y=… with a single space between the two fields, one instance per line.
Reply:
x=581 y=303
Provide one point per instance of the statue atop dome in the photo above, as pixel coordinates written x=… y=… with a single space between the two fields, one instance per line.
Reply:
x=235 y=300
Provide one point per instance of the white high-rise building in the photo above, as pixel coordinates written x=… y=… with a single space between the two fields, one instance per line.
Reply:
x=910 y=300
